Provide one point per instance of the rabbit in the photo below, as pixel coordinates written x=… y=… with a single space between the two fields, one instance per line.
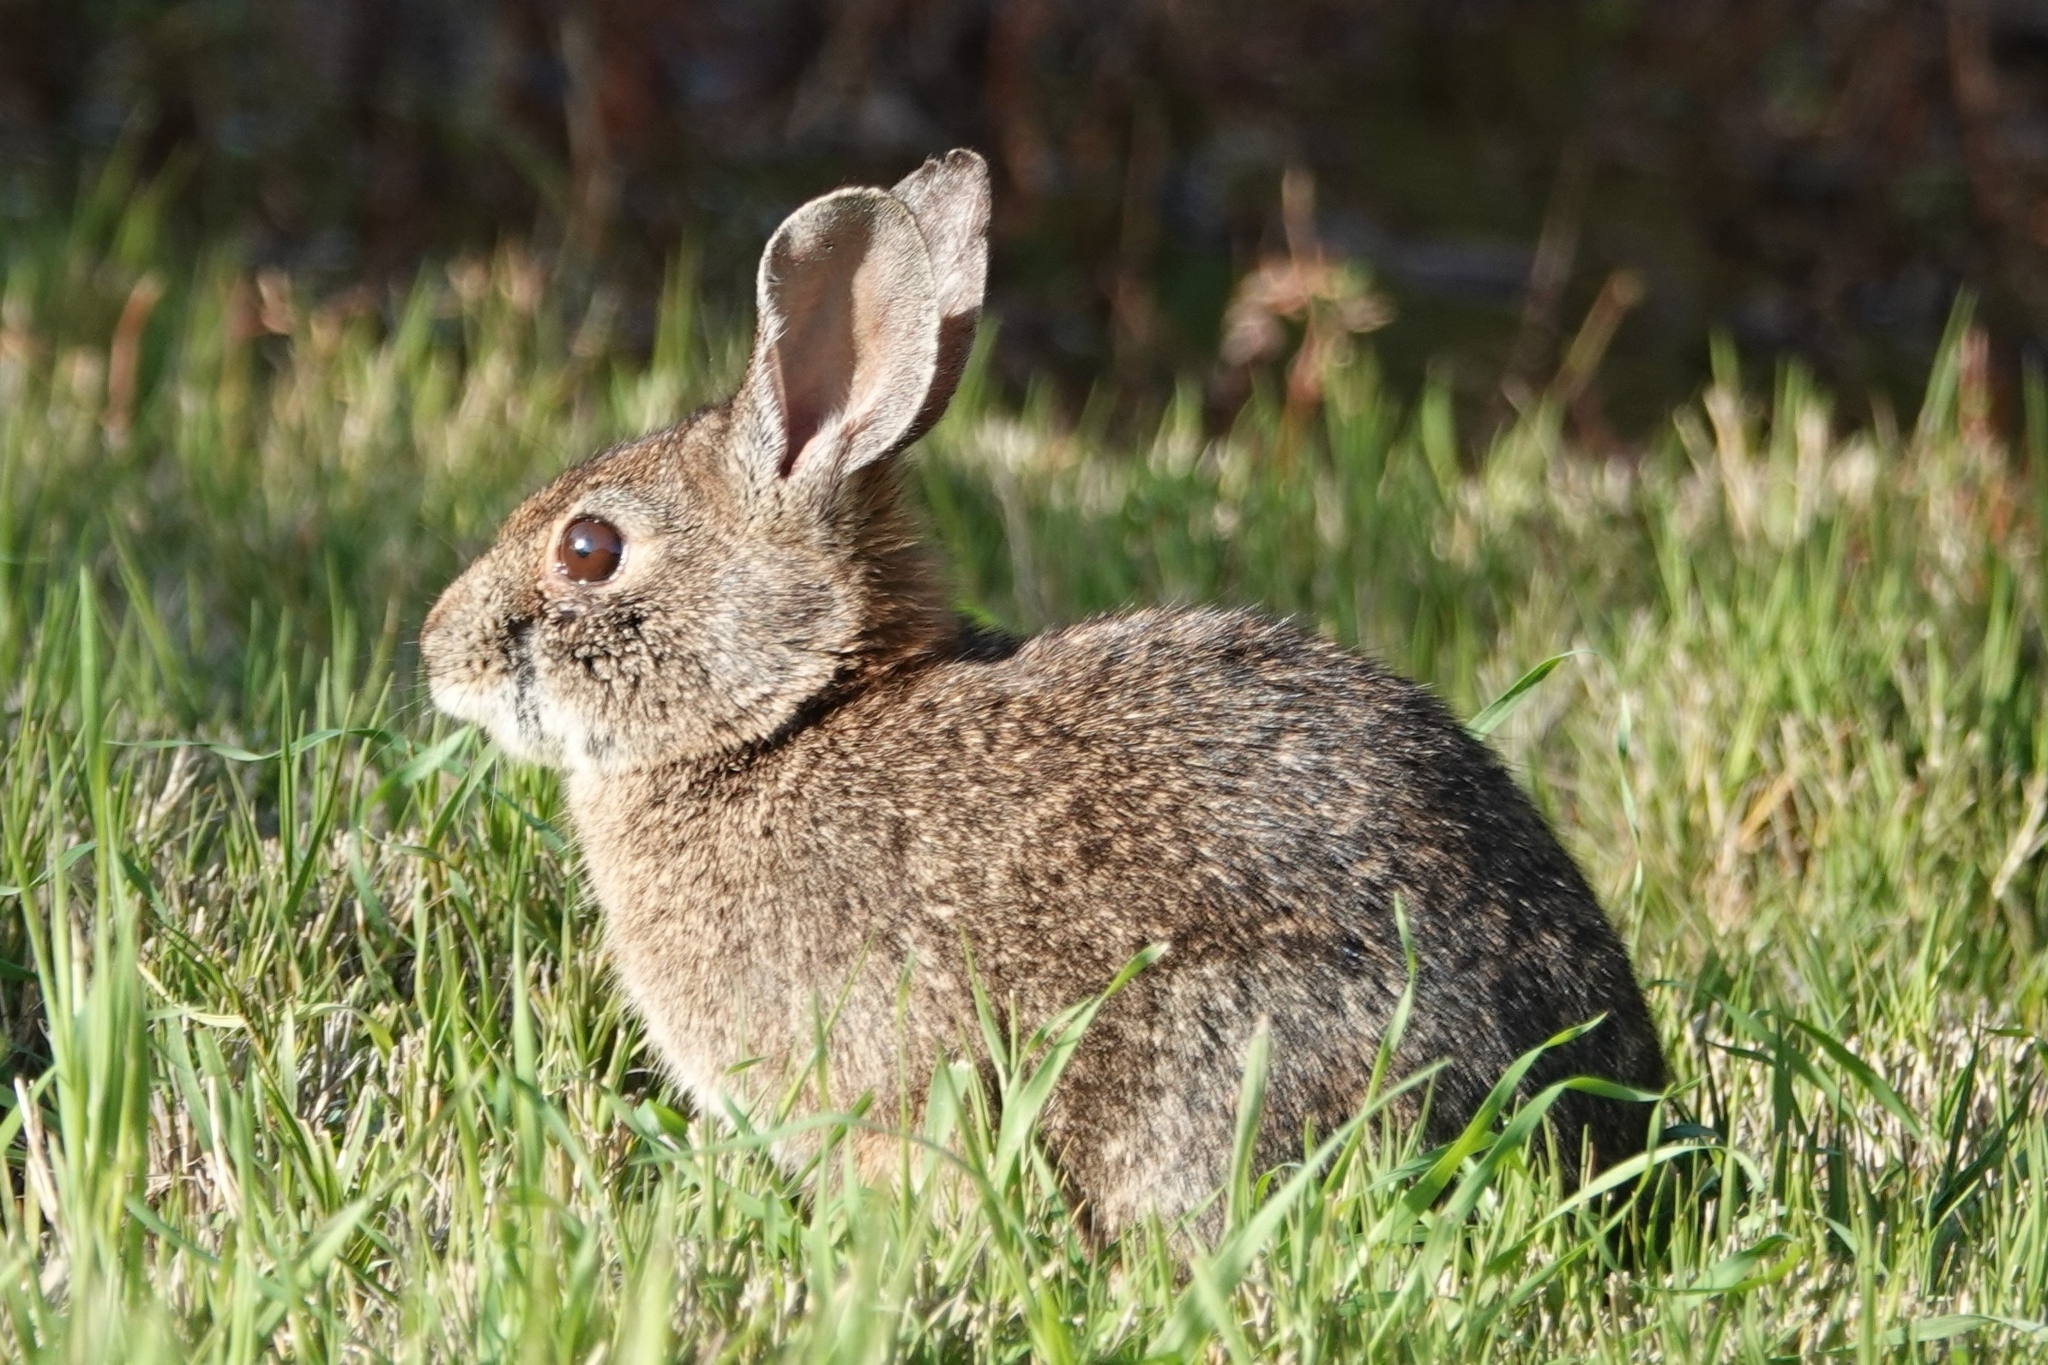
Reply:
x=811 y=799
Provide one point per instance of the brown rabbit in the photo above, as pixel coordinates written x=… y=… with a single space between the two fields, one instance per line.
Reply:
x=803 y=787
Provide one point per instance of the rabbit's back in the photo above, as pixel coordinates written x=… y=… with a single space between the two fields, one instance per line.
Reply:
x=1254 y=798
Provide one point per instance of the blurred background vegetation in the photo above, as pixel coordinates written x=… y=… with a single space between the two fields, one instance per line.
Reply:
x=1521 y=193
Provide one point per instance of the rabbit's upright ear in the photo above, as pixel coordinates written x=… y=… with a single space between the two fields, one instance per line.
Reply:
x=848 y=346
x=950 y=199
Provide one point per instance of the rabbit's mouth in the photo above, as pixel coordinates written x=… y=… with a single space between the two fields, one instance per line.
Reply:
x=506 y=701
x=509 y=713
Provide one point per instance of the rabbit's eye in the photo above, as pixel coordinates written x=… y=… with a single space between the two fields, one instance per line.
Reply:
x=590 y=551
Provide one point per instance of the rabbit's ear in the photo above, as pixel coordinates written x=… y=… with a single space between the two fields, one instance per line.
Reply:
x=849 y=339
x=950 y=198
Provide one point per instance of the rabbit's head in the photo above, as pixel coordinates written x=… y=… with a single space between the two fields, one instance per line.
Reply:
x=696 y=591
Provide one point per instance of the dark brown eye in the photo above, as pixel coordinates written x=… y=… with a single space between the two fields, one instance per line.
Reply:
x=590 y=550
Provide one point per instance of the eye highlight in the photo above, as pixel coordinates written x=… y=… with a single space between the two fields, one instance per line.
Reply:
x=590 y=550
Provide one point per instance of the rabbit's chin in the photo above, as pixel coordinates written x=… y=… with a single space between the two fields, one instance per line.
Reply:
x=517 y=729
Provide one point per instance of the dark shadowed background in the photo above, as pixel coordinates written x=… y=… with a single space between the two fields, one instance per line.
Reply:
x=1816 y=178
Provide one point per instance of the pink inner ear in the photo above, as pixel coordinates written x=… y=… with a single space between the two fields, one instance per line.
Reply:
x=815 y=358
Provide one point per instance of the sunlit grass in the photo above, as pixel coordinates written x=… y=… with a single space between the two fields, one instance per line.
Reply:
x=314 y=1051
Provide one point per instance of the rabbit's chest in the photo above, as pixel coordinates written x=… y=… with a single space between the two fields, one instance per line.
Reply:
x=726 y=935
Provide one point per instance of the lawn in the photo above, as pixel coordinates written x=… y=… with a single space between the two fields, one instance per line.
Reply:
x=314 y=1051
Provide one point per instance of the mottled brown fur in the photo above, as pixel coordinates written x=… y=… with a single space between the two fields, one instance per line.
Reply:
x=794 y=774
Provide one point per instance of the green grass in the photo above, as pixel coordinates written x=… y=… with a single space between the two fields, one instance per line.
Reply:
x=315 y=1055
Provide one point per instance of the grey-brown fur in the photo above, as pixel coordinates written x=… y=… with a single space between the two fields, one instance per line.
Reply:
x=794 y=773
